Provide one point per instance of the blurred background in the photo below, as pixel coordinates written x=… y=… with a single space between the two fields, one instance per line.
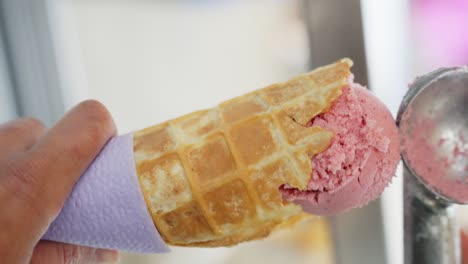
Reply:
x=152 y=60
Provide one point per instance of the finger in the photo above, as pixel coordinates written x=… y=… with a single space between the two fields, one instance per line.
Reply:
x=19 y=135
x=464 y=246
x=51 y=168
x=59 y=253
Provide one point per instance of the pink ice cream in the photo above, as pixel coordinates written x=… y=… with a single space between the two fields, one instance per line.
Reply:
x=361 y=160
x=432 y=168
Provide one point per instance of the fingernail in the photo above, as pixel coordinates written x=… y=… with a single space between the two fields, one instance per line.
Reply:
x=107 y=256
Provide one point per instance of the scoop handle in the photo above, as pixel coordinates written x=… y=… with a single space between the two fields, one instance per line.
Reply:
x=431 y=234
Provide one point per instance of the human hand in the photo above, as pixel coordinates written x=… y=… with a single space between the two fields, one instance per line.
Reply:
x=38 y=169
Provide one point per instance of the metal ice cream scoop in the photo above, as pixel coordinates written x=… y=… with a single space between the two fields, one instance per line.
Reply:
x=433 y=123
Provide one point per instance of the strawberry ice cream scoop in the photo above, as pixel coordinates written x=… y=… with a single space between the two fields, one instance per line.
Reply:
x=360 y=161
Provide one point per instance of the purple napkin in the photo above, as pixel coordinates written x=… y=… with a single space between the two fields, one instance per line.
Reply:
x=106 y=208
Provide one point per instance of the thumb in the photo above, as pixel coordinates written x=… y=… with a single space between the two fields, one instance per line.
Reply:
x=60 y=253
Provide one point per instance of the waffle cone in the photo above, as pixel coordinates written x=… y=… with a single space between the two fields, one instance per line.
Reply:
x=211 y=178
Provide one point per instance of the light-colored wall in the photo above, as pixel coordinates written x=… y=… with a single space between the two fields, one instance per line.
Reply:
x=8 y=109
x=153 y=60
